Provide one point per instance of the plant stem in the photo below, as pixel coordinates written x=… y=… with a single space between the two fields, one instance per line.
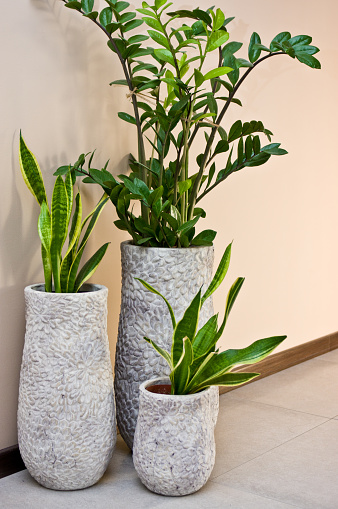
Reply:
x=197 y=183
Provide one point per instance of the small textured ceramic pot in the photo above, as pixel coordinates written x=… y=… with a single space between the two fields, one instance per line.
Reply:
x=66 y=413
x=174 y=444
x=176 y=273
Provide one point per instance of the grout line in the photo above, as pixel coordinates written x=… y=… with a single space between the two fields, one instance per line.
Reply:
x=273 y=448
x=287 y=504
x=233 y=396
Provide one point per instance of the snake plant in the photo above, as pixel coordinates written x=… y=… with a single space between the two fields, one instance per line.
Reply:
x=194 y=361
x=56 y=222
x=179 y=104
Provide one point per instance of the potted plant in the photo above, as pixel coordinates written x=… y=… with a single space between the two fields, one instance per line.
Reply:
x=179 y=102
x=174 y=445
x=66 y=412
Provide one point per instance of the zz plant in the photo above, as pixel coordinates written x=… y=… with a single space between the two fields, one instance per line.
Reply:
x=55 y=223
x=175 y=96
x=194 y=361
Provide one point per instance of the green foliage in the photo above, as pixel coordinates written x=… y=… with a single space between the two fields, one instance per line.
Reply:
x=175 y=97
x=194 y=361
x=55 y=224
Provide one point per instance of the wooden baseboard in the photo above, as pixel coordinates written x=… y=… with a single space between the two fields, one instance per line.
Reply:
x=288 y=358
x=10 y=459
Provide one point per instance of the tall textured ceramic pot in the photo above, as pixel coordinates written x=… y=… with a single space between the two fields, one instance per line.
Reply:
x=174 y=443
x=66 y=413
x=176 y=273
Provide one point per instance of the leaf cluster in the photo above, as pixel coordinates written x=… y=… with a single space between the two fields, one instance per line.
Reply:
x=176 y=99
x=194 y=360
x=57 y=221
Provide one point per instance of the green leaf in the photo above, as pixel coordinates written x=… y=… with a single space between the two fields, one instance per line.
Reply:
x=151 y=289
x=186 y=327
x=184 y=185
x=216 y=40
x=90 y=267
x=159 y=3
x=185 y=227
x=87 y=5
x=231 y=47
x=121 y=6
x=153 y=23
x=300 y=39
x=159 y=38
x=254 y=54
x=235 y=131
x=220 y=274
x=308 y=60
x=106 y=16
x=232 y=295
x=273 y=149
x=47 y=268
x=74 y=5
x=219 y=19
x=59 y=214
x=199 y=78
x=205 y=238
x=256 y=352
x=180 y=374
x=164 y=55
x=219 y=71
x=228 y=379
x=31 y=173
x=205 y=337
x=278 y=40
x=160 y=350
x=131 y=25
x=126 y=117
x=45 y=227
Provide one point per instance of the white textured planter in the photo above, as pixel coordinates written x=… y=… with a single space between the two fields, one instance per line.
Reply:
x=66 y=414
x=174 y=444
x=176 y=273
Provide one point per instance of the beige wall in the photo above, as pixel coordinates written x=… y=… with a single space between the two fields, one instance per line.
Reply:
x=282 y=216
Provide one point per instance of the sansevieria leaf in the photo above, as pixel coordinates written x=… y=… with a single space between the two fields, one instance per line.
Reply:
x=163 y=353
x=180 y=374
x=151 y=289
x=186 y=327
x=89 y=267
x=220 y=274
x=31 y=173
x=59 y=218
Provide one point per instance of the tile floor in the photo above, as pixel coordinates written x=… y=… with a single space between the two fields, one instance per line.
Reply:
x=277 y=448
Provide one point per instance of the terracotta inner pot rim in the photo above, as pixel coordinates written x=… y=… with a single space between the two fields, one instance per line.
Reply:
x=166 y=381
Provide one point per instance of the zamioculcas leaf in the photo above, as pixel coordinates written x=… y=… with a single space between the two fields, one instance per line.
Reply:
x=216 y=40
x=217 y=72
x=220 y=274
x=126 y=117
x=254 y=54
x=31 y=173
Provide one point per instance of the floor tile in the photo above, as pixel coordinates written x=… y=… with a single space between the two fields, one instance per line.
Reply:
x=216 y=496
x=247 y=429
x=302 y=472
x=309 y=387
x=329 y=356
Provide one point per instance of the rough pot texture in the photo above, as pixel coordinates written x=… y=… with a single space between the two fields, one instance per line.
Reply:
x=66 y=414
x=176 y=273
x=174 y=444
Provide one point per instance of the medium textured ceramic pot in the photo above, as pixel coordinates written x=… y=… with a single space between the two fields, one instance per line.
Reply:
x=176 y=273
x=66 y=413
x=174 y=444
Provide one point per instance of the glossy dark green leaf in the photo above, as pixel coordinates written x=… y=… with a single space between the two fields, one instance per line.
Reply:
x=87 y=5
x=106 y=16
x=254 y=54
x=131 y=25
x=204 y=238
x=235 y=131
x=74 y=5
x=308 y=60
x=278 y=40
x=127 y=117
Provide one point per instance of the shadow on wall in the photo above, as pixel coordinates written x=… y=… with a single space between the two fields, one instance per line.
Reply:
x=19 y=245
